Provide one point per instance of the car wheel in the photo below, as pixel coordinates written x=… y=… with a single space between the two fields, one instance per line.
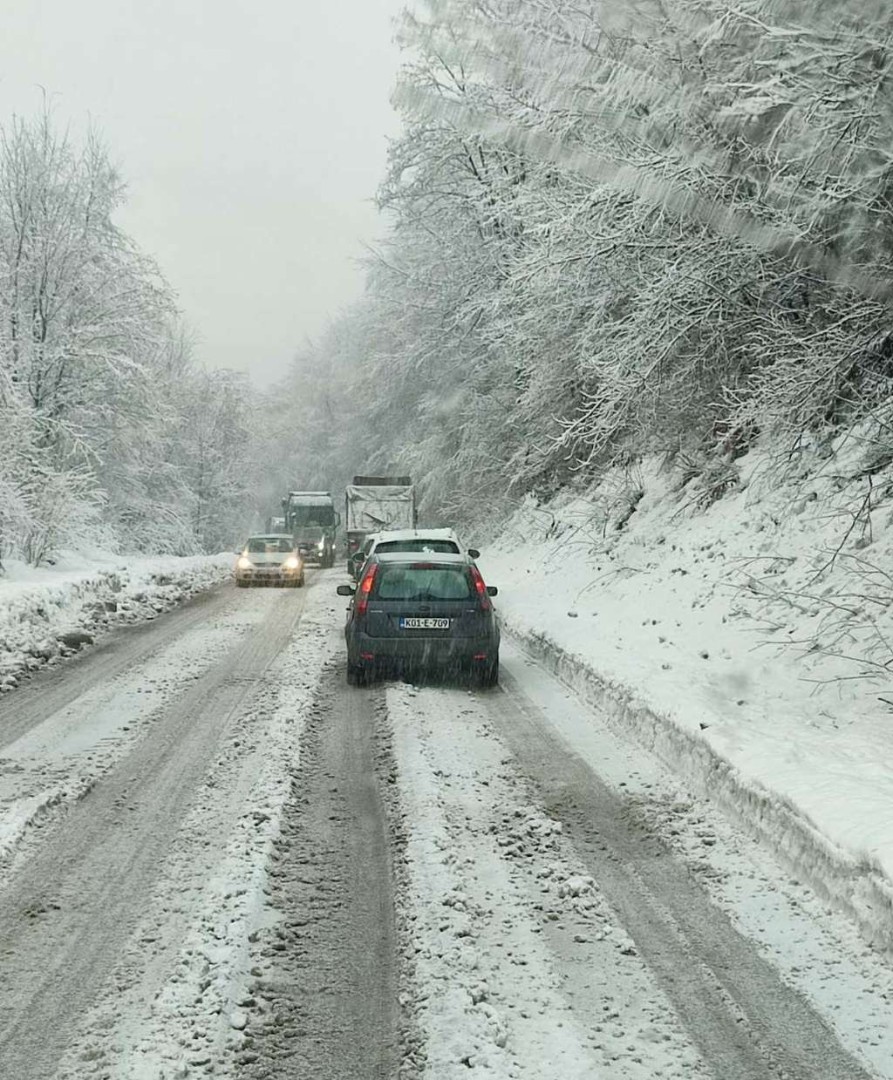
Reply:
x=356 y=675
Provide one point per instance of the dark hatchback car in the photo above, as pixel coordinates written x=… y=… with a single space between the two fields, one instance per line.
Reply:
x=413 y=612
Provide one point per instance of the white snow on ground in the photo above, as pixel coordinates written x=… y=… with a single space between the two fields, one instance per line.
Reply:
x=50 y=612
x=745 y=642
x=180 y=1002
x=56 y=763
x=491 y=884
x=816 y=950
x=680 y=625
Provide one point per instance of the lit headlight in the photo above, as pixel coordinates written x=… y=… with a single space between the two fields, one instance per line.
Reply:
x=321 y=545
x=244 y=563
x=292 y=562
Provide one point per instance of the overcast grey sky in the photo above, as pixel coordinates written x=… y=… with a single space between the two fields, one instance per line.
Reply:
x=252 y=137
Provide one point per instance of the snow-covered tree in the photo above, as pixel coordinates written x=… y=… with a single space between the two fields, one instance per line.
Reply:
x=96 y=376
x=623 y=227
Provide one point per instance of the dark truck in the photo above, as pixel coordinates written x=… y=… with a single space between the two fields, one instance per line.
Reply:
x=374 y=503
x=311 y=518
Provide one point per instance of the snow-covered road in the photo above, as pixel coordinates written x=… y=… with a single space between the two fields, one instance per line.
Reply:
x=217 y=859
x=585 y=917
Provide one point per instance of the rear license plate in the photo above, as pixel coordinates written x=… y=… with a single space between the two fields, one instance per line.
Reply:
x=417 y=623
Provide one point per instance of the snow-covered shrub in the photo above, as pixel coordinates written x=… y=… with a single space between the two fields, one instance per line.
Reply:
x=708 y=476
x=65 y=511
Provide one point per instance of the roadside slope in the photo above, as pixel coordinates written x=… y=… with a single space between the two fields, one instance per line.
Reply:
x=743 y=642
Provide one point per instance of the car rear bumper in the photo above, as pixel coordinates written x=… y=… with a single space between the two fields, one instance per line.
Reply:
x=445 y=652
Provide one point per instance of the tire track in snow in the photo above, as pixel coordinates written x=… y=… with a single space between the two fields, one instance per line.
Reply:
x=179 y=1002
x=60 y=758
x=66 y=916
x=325 y=972
x=56 y=688
x=518 y=967
x=747 y=1023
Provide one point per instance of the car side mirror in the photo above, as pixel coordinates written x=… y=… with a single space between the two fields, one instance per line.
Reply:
x=474 y=553
x=492 y=590
x=345 y=590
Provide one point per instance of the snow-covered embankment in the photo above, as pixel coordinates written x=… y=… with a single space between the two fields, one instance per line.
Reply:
x=742 y=642
x=48 y=613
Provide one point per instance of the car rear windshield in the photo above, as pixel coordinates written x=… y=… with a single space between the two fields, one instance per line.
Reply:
x=420 y=581
x=260 y=545
x=443 y=547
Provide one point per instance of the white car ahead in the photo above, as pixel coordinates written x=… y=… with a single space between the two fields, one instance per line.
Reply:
x=430 y=541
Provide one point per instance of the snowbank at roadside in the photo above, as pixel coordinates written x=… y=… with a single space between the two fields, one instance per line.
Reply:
x=743 y=639
x=50 y=612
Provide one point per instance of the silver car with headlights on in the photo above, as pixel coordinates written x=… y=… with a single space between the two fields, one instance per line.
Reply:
x=270 y=559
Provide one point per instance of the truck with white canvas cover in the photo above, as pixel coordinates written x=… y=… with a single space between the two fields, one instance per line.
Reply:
x=374 y=503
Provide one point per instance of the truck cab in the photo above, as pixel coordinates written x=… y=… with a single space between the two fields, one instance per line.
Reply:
x=311 y=518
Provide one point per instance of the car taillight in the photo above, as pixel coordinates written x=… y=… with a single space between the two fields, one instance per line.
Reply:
x=366 y=588
x=480 y=587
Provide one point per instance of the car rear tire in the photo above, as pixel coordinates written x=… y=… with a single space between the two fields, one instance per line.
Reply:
x=356 y=675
